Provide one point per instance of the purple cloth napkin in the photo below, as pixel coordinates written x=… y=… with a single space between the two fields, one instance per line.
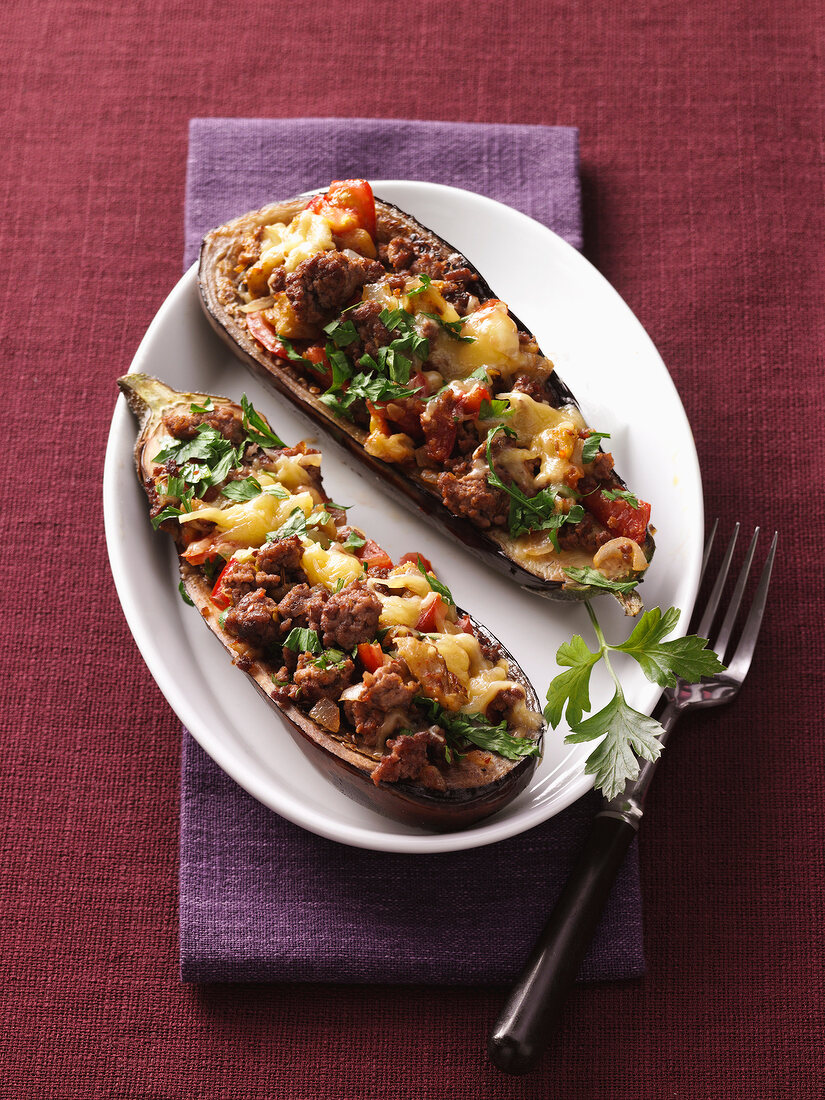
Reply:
x=260 y=898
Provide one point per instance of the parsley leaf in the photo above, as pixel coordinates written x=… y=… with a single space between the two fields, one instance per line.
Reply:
x=594 y=579
x=295 y=525
x=590 y=447
x=621 y=494
x=207 y=406
x=661 y=661
x=424 y=284
x=331 y=658
x=477 y=730
x=184 y=595
x=301 y=640
x=291 y=353
x=492 y=410
x=628 y=736
x=452 y=328
x=354 y=541
x=536 y=513
x=246 y=489
x=436 y=586
x=256 y=428
x=341 y=332
x=571 y=688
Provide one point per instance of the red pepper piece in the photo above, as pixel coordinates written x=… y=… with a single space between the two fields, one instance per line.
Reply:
x=432 y=617
x=373 y=557
x=370 y=655
x=219 y=599
x=265 y=334
x=347 y=205
x=415 y=559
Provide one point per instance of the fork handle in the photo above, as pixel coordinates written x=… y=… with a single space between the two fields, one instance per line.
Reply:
x=535 y=1001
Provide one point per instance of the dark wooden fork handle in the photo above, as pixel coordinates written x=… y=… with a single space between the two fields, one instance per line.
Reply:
x=535 y=1001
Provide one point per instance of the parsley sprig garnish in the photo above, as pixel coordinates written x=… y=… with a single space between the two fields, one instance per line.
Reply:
x=536 y=513
x=628 y=736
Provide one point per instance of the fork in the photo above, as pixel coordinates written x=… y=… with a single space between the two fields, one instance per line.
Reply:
x=535 y=1001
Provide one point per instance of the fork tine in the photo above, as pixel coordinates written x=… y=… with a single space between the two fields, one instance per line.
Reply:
x=730 y=618
x=713 y=601
x=740 y=664
x=708 y=548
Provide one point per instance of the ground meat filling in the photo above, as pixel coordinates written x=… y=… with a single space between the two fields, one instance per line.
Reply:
x=502 y=702
x=413 y=756
x=313 y=682
x=254 y=620
x=388 y=688
x=372 y=332
x=302 y=607
x=324 y=284
x=350 y=617
x=588 y=534
x=533 y=387
x=184 y=425
x=469 y=495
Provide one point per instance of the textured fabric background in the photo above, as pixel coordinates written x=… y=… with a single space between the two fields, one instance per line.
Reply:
x=259 y=898
x=701 y=136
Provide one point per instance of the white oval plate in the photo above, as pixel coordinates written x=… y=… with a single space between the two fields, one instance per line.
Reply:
x=605 y=356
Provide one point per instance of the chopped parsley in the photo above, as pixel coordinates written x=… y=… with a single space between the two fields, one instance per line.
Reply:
x=536 y=513
x=246 y=489
x=594 y=579
x=331 y=658
x=301 y=640
x=621 y=494
x=436 y=586
x=256 y=428
x=590 y=447
x=354 y=541
x=477 y=730
x=208 y=458
x=452 y=328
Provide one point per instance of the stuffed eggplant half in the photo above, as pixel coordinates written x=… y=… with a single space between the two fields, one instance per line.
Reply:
x=414 y=708
x=390 y=339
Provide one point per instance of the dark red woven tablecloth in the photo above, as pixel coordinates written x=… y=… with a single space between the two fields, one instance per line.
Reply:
x=701 y=135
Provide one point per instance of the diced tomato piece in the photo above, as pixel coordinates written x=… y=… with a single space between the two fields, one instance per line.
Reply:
x=265 y=334
x=465 y=625
x=347 y=205
x=432 y=617
x=415 y=559
x=317 y=354
x=373 y=557
x=419 y=383
x=370 y=655
x=469 y=403
x=378 y=419
x=618 y=516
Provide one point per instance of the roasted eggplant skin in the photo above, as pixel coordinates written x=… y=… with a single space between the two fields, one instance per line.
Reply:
x=220 y=260
x=458 y=806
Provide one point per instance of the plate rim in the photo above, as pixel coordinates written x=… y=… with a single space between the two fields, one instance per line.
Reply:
x=486 y=832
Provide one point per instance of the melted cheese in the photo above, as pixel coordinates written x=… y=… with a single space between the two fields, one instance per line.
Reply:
x=250 y=522
x=329 y=567
x=289 y=245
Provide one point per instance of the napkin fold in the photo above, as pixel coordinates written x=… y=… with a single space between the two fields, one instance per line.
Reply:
x=260 y=898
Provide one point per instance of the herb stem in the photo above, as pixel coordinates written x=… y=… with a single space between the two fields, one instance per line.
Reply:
x=604 y=648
